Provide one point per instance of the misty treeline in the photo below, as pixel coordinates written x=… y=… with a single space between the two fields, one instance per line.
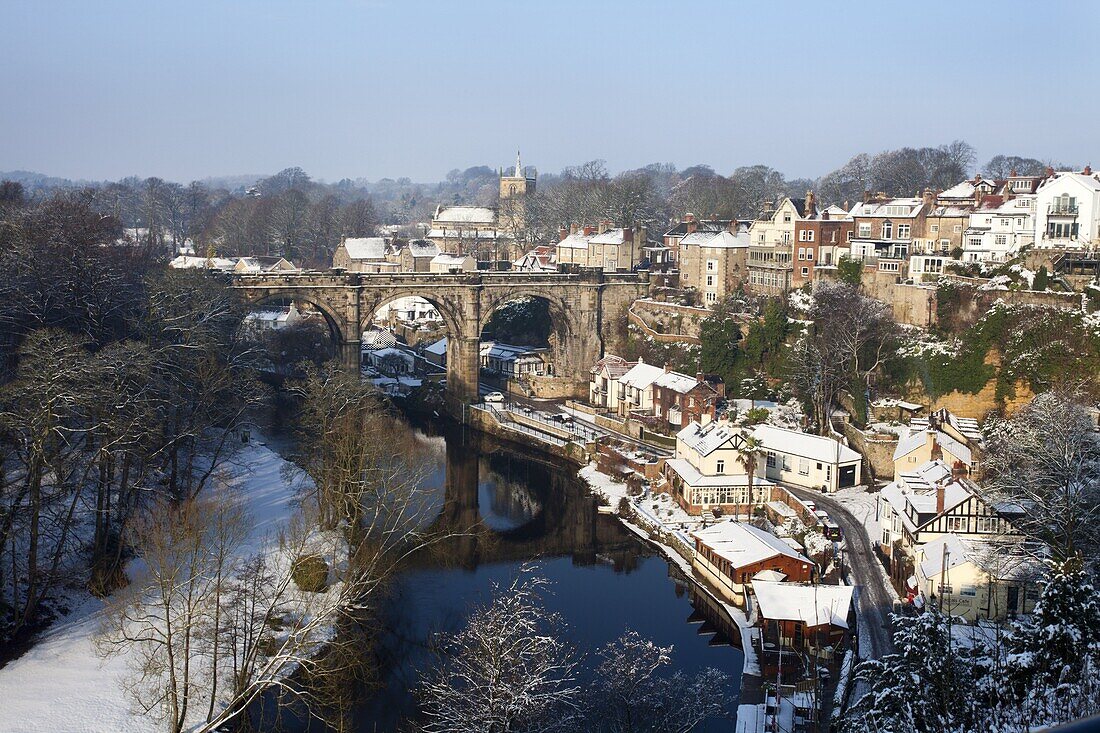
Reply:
x=291 y=215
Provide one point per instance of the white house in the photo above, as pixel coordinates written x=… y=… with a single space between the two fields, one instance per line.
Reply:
x=977 y=579
x=811 y=461
x=1067 y=211
x=512 y=361
x=708 y=471
x=633 y=391
x=448 y=263
x=999 y=229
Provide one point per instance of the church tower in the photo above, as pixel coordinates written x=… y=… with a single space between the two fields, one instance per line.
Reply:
x=514 y=190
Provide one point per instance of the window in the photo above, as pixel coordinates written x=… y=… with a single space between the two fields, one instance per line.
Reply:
x=710 y=281
x=721 y=468
x=803 y=467
x=850 y=233
x=864 y=229
x=903 y=231
x=1000 y=240
x=934 y=228
x=805 y=272
x=711 y=296
x=771 y=459
x=987 y=525
x=945 y=244
x=786 y=217
x=958 y=228
x=712 y=265
x=956 y=524
x=887 y=230
x=968 y=590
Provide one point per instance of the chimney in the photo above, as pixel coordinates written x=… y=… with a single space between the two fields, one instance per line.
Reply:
x=1012 y=173
x=604 y=225
x=866 y=196
x=809 y=204
x=825 y=215
x=667 y=368
x=572 y=228
x=939 y=498
x=699 y=377
x=936 y=450
x=1049 y=171
x=562 y=233
x=1087 y=171
x=589 y=231
x=929 y=197
x=959 y=470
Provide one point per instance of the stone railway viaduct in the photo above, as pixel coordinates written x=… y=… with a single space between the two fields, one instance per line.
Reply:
x=583 y=306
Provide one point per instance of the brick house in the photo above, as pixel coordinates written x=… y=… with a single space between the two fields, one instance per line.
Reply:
x=814 y=618
x=819 y=240
x=679 y=399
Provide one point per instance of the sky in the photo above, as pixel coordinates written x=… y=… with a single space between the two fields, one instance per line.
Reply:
x=390 y=88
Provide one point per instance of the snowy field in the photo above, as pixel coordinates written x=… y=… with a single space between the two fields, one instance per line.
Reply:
x=62 y=686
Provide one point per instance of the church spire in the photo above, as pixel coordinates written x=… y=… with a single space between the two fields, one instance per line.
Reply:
x=519 y=167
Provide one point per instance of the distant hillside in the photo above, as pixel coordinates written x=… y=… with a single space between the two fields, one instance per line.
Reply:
x=32 y=180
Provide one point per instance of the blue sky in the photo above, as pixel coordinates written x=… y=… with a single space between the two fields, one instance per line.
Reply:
x=360 y=88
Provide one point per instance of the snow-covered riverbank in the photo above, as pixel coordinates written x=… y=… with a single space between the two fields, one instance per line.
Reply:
x=62 y=684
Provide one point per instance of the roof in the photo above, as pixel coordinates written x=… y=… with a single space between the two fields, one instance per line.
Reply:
x=677 y=382
x=879 y=208
x=438 y=348
x=365 y=248
x=423 y=248
x=813 y=605
x=611 y=236
x=1002 y=559
x=187 y=262
x=692 y=476
x=1091 y=182
x=705 y=439
x=466 y=214
x=576 y=240
x=616 y=366
x=716 y=239
x=770 y=576
x=804 y=445
x=743 y=544
x=702 y=225
x=450 y=260
x=918 y=438
x=641 y=375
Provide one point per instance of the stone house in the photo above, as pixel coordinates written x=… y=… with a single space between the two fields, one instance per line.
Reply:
x=673 y=238
x=365 y=254
x=714 y=263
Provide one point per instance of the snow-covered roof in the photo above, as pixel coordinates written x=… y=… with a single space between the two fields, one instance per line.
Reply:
x=743 y=544
x=365 y=248
x=574 y=241
x=677 y=382
x=423 y=248
x=716 y=239
x=1091 y=182
x=449 y=260
x=804 y=445
x=438 y=348
x=926 y=476
x=904 y=208
x=484 y=234
x=692 y=477
x=641 y=375
x=616 y=366
x=770 y=576
x=611 y=236
x=813 y=605
x=705 y=439
x=187 y=262
x=466 y=215
x=918 y=438
x=964 y=190
x=932 y=555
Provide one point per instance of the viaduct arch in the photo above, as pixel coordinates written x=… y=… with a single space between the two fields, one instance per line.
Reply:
x=583 y=306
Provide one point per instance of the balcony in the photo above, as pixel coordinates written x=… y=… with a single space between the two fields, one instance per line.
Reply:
x=1062 y=209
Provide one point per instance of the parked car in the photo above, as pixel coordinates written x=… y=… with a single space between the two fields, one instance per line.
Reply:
x=496 y=397
x=831 y=530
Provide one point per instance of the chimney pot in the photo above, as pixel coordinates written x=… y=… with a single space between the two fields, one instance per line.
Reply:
x=1088 y=170
x=1050 y=171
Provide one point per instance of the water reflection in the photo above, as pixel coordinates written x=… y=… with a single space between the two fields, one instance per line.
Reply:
x=515 y=508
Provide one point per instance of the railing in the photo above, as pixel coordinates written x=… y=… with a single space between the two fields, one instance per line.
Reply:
x=1062 y=209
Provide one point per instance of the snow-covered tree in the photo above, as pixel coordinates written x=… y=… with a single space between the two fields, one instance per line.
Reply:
x=630 y=696
x=1052 y=657
x=506 y=670
x=1046 y=459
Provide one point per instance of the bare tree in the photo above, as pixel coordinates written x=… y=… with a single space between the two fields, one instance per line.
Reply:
x=506 y=671
x=630 y=696
x=1046 y=460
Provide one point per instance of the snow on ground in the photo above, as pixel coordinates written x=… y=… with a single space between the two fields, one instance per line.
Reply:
x=60 y=684
x=750 y=718
x=863 y=505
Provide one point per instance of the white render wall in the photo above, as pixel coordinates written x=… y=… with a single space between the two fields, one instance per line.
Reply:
x=1086 y=189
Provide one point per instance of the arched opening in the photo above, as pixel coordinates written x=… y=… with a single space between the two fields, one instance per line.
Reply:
x=289 y=332
x=405 y=342
x=521 y=346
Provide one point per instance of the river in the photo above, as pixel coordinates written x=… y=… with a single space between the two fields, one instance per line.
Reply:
x=604 y=580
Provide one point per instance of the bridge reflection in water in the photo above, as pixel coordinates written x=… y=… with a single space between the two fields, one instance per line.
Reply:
x=515 y=508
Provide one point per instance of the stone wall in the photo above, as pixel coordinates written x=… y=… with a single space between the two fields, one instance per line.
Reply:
x=670 y=318
x=877 y=451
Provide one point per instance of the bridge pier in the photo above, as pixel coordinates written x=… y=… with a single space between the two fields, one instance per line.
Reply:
x=351 y=354
x=463 y=368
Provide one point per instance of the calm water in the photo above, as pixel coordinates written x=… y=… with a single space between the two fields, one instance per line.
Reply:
x=604 y=580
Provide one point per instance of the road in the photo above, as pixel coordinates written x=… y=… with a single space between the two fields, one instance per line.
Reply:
x=875 y=599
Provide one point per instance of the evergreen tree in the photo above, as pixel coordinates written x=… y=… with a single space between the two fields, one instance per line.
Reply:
x=1042 y=279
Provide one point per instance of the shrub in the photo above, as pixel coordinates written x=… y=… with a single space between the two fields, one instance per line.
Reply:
x=310 y=573
x=756 y=415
